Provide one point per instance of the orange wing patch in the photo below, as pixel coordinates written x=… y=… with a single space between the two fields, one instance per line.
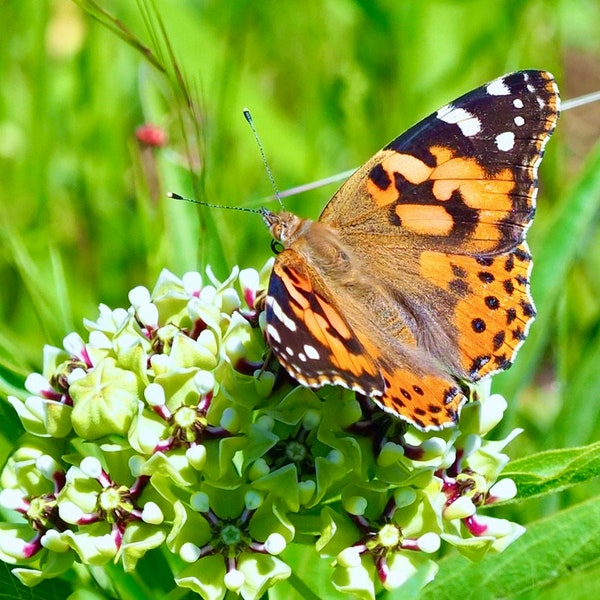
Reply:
x=381 y=188
x=493 y=308
x=475 y=206
x=425 y=220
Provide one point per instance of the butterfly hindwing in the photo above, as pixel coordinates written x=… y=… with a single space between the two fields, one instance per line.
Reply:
x=491 y=306
x=318 y=345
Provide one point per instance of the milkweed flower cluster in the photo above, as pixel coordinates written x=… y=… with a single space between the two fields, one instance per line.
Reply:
x=165 y=427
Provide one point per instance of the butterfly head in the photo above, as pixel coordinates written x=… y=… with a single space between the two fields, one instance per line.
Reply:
x=284 y=226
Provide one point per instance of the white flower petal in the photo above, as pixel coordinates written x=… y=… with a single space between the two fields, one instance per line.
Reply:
x=492 y=411
x=98 y=339
x=230 y=301
x=505 y=489
x=47 y=466
x=204 y=381
x=155 y=395
x=234 y=580
x=152 y=514
x=53 y=541
x=275 y=544
x=70 y=512
x=461 y=508
x=74 y=344
x=192 y=283
x=76 y=375
x=189 y=552
x=349 y=557
x=196 y=456
x=138 y=296
x=36 y=384
x=429 y=542
x=148 y=314
x=91 y=467
x=11 y=499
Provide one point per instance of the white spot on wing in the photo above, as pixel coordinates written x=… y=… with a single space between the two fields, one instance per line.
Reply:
x=498 y=88
x=505 y=141
x=469 y=124
x=311 y=352
x=302 y=356
x=281 y=316
x=519 y=121
x=289 y=351
x=518 y=103
x=273 y=333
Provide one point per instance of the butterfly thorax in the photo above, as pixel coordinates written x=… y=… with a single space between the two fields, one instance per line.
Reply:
x=319 y=244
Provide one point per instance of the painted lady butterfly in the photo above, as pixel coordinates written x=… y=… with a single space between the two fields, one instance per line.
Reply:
x=415 y=279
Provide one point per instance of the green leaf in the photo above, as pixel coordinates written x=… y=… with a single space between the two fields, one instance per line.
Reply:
x=12 y=589
x=581 y=585
x=554 y=470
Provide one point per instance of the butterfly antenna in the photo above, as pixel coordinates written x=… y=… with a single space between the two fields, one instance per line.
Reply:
x=248 y=118
x=176 y=196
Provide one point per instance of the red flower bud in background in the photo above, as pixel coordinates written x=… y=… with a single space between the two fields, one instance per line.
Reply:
x=151 y=135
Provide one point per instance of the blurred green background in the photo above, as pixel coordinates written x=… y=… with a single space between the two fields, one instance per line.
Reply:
x=84 y=216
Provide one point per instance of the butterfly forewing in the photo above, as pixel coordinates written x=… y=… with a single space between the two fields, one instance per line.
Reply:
x=309 y=333
x=463 y=179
